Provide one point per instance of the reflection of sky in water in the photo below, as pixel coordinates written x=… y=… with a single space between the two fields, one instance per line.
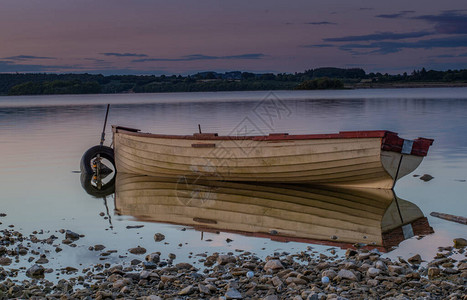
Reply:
x=41 y=145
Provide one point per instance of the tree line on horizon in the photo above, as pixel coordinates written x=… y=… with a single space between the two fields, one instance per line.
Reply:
x=320 y=78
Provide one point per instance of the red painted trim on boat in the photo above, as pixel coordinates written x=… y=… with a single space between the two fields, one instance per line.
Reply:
x=392 y=142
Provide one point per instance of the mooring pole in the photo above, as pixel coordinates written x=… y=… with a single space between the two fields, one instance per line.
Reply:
x=105 y=123
x=98 y=160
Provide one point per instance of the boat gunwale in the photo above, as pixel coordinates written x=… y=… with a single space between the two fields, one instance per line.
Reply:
x=271 y=137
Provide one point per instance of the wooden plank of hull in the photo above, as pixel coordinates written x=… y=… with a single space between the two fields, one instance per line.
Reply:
x=350 y=161
x=323 y=170
x=296 y=211
x=247 y=148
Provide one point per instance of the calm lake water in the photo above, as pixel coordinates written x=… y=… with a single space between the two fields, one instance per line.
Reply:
x=42 y=139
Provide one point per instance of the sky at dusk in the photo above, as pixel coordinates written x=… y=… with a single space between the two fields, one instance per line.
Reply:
x=186 y=37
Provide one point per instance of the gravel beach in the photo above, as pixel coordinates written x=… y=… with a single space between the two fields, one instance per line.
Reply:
x=359 y=274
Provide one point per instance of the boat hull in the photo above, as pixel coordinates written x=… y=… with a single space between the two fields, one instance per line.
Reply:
x=337 y=160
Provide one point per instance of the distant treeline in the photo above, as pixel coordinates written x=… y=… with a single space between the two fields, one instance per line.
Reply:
x=55 y=87
x=320 y=78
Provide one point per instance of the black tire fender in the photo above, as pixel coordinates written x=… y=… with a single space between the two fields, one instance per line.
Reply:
x=86 y=160
x=106 y=190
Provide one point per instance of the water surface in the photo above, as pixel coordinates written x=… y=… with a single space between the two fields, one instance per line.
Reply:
x=43 y=137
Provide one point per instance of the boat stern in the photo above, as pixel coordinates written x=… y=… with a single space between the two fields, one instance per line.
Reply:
x=401 y=157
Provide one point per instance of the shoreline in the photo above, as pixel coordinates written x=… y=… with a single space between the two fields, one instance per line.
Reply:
x=360 y=273
x=408 y=85
x=356 y=86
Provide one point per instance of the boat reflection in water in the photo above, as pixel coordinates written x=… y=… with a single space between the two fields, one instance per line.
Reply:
x=281 y=212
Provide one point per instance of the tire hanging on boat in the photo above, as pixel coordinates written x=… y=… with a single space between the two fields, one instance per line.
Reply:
x=91 y=154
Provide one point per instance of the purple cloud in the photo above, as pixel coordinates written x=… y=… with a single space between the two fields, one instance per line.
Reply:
x=379 y=36
x=451 y=55
x=448 y=22
x=321 y=23
x=194 y=57
x=8 y=67
x=319 y=46
x=124 y=54
x=27 y=57
x=392 y=47
x=396 y=15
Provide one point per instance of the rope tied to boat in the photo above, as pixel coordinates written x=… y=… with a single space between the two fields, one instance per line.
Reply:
x=97 y=162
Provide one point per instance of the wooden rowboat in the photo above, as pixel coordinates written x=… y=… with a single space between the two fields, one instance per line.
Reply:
x=283 y=212
x=374 y=159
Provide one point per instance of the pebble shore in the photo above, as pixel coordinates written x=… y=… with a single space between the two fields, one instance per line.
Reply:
x=360 y=274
